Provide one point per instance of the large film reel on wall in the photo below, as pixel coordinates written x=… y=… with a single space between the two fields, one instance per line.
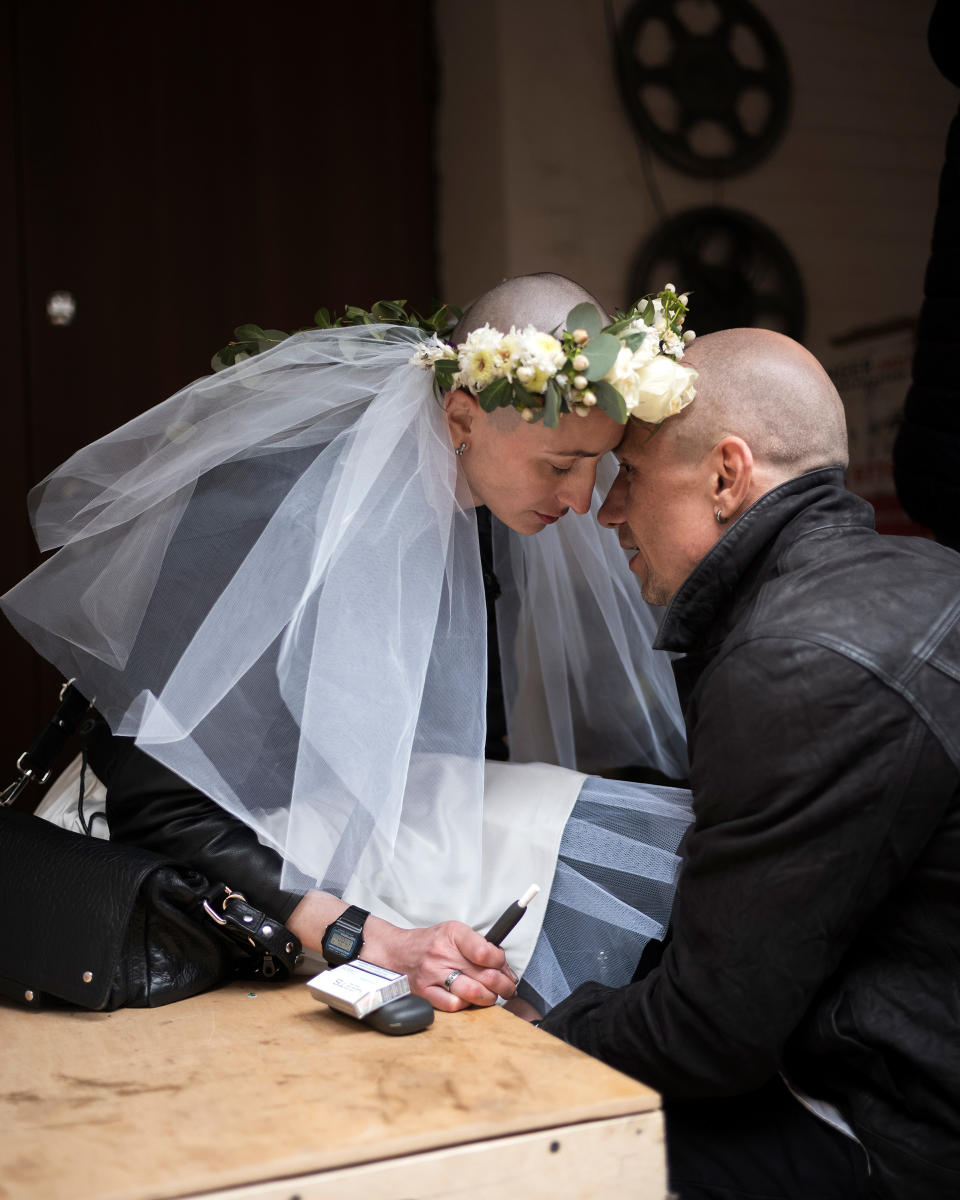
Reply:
x=736 y=268
x=706 y=82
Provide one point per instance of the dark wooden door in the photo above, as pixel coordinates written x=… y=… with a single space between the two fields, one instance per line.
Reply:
x=179 y=170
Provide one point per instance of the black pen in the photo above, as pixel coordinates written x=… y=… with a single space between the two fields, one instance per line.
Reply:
x=506 y=921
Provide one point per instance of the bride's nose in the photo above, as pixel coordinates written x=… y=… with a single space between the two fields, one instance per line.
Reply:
x=577 y=493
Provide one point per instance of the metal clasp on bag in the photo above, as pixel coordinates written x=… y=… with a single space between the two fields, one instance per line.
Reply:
x=231 y=895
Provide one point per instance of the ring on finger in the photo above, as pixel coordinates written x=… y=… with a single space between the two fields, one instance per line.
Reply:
x=448 y=982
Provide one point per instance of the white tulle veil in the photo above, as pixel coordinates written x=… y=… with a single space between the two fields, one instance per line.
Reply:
x=272 y=581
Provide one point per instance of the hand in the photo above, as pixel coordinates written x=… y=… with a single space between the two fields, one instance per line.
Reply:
x=428 y=956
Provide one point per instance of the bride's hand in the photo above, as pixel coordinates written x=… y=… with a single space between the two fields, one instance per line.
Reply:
x=429 y=956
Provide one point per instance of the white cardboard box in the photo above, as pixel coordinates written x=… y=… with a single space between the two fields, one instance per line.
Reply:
x=358 y=987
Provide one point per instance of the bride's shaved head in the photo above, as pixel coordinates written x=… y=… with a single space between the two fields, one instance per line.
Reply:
x=768 y=390
x=542 y=300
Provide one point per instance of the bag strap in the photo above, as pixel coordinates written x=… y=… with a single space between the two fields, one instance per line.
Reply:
x=36 y=763
x=269 y=945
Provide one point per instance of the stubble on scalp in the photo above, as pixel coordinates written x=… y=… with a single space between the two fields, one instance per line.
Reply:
x=768 y=390
x=542 y=300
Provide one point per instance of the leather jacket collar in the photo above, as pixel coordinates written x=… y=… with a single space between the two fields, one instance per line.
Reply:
x=806 y=503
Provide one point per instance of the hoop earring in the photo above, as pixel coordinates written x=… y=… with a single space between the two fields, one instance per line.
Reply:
x=721 y=519
x=459 y=452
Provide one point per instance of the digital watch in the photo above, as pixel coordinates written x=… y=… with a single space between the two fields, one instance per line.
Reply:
x=343 y=939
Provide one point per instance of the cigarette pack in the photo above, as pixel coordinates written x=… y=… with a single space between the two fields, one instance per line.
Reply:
x=358 y=987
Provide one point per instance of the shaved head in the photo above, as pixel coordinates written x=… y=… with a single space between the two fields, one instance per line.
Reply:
x=541 y=300
x=770 y=391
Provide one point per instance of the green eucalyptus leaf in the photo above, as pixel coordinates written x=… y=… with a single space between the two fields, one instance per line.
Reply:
x=633 y=341
x=602 y=351
x=610 y=400
x=321 y=318
x=248 y=333
x=495 y=395
x=585 y=316
x=551 y=405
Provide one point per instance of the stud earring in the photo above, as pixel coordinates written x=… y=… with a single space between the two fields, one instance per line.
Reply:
x=721 y=519
x=459 y=452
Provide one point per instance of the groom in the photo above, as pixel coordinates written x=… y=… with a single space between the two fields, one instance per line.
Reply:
x=802 y=1022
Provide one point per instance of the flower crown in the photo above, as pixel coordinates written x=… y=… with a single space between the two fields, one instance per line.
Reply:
x=630 y=367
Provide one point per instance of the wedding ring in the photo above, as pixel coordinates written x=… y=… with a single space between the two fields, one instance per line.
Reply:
x=450 y=978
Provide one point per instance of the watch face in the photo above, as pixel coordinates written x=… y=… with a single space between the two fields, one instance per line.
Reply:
x=341 y=942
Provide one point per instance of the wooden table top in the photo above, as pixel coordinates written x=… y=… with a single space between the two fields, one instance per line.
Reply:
x=250 y=1083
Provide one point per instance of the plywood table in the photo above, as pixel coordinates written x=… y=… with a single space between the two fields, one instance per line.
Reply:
x=263 y=1092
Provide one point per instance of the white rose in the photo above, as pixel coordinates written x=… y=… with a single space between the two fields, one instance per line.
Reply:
x=659 y=389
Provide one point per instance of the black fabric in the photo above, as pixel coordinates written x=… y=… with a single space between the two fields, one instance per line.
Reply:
x=496 y=745
x=926 y=454
x=817 y=915
x=761 y=1146
x=151 y=807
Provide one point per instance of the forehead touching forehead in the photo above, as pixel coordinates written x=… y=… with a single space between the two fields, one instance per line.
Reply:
x=541 y=300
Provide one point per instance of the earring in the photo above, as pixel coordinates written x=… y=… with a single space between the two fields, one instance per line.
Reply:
x=721 y=519
x=459 y=452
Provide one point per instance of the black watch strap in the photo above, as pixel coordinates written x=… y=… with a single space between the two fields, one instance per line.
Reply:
x=343 y=939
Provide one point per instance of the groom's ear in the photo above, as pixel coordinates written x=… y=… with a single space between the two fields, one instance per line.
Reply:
x=461 y=410
x=732 y=475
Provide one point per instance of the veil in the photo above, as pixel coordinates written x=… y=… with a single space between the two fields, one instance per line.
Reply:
x=272 y=582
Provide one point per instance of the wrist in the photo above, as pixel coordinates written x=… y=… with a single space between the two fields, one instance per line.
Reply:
x=343 y=938
x=382 y=944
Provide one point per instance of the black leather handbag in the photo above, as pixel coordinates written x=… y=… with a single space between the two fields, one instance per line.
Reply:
x=104 y=925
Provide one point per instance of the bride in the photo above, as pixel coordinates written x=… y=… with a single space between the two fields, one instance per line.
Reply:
x=288 y=589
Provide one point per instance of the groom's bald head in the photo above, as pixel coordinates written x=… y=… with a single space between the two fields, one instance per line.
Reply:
x=541 y=300
x=768 y=390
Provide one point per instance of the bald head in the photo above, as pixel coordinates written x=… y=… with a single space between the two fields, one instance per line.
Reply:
x=541 y=300
x=768 y=390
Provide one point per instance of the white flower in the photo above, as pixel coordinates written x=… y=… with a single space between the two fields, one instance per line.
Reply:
x=432 y=350
x=652 y=390
x=672 y=345
x=480 y=359
x=542 y=353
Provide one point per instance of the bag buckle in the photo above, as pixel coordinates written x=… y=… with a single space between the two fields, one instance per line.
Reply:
x=231 y=895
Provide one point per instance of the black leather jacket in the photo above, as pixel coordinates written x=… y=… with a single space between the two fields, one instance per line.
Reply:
x=816 y=925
